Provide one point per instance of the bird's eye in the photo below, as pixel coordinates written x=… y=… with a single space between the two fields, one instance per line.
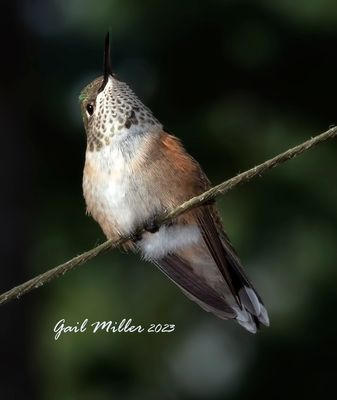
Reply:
x=90 y=109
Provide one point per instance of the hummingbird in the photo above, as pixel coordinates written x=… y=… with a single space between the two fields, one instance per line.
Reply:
x=135 y=171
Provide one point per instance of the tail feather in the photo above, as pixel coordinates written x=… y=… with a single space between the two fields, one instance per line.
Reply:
x=253 y=313
x=250 y=313
x=203 y=263
x=249 y=307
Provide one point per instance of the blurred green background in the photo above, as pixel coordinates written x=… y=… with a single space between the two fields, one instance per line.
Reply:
x=238 y=82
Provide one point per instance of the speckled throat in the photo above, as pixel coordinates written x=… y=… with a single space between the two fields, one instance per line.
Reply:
x=117 y=111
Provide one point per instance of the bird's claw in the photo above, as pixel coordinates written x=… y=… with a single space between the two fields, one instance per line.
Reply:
x=136 y=236
x=151 y=225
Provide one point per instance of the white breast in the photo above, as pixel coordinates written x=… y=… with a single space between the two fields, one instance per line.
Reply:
x=115 y=197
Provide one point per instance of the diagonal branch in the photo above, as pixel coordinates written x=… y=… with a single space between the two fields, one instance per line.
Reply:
x=210 y=194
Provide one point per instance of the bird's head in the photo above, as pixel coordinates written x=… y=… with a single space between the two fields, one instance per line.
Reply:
x=111 y=111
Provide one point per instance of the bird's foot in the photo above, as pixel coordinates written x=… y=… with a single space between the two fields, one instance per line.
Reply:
x=151 y=225
x=136 y=236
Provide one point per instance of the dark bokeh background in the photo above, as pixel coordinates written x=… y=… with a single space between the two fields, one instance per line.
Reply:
x=238 y=81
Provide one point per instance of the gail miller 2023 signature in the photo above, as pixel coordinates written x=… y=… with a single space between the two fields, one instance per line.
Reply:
x=123 y=326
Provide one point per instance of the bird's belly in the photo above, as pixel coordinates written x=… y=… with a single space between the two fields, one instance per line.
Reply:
x=117 y=203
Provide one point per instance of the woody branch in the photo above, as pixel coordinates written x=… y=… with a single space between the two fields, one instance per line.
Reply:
x=196 y=201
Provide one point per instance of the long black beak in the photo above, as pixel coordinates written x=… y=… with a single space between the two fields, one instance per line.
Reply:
x=107 y=62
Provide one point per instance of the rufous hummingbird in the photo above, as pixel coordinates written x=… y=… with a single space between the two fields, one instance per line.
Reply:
x=134 y=171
